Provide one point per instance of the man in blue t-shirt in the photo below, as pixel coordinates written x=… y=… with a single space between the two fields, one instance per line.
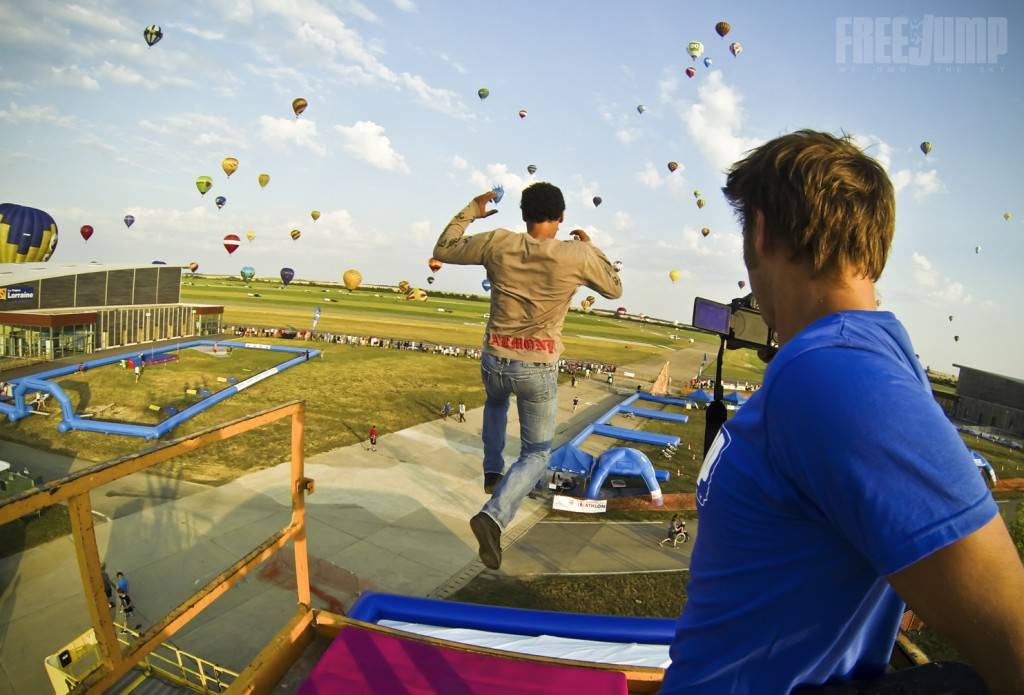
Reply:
x=840 y=490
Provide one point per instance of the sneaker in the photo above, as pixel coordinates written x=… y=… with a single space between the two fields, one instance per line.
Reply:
x=488 y=534
x=491 y=481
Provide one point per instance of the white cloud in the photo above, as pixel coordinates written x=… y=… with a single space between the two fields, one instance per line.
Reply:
x=36 y=114
x=456 y=65
x=366 y=141
x=727 y=245
x=404 y=5
x=73 y=76
x=499 y=174
x=198 y=129
x=936 y=286
x=627 y=135
x=358 y=9
x=715 y=121
x=291 y=131
x=622 y=221
x=875 y=147
x=122 y=74
x=11 y=86
x=650 y=177
x=458 y=162
x=444 y=100
x=98 y=20
x=201 y=33
x=920 y=183
x=285 y=79
x=586 y=191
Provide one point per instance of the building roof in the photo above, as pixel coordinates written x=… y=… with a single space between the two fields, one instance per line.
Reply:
x=15 y=273
x=983 y=371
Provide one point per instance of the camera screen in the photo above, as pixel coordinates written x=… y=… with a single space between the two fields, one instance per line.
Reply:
x=711 y=316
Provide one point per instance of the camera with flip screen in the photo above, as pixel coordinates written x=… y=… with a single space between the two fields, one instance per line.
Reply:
x=739 y=322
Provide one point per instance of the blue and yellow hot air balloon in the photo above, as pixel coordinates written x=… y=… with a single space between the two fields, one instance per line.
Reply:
x=27 y=235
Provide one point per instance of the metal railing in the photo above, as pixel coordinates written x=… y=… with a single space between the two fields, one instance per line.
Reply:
x=178 y=666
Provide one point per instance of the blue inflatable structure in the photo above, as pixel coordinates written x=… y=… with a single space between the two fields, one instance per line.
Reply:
x=373 y=607
x=571 y=460
x=41 y=383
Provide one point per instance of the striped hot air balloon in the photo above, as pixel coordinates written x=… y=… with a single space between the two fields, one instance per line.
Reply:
x=231 y=242
x=27 y=235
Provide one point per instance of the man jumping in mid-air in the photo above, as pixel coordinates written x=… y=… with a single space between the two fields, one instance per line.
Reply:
x=533 y=277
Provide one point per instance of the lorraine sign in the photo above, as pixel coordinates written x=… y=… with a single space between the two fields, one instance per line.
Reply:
x=9 y=294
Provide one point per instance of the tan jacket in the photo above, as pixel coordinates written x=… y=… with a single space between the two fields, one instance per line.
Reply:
x=532 y=283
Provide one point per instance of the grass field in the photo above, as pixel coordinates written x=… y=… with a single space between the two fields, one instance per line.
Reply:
x=656 y=595
x=386 y=314
x=346 y=392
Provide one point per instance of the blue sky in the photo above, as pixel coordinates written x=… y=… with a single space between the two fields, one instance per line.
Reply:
x=94 y=125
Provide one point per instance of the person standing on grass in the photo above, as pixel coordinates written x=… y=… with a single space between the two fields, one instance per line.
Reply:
x=533 y=278
x=462 y=412
x=826 y=511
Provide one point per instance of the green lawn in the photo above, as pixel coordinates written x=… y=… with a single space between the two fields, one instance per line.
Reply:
x=345 y=393
x=34 y=529
x=655 y=595
x=387 y=314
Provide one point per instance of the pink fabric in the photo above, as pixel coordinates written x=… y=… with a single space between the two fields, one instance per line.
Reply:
x=362 y=661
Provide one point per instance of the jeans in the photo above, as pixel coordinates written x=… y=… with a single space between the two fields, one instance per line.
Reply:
x=535 y=386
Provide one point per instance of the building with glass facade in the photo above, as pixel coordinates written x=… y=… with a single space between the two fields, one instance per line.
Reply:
x=54 y=310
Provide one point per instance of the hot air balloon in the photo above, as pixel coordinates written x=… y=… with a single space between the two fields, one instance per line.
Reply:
x=86 y=231
x=522 y=113
x=690 y=72
x=299 y=105
x=264 y=180
x=352 y=279
x=434 y=265
x=951 y=318
x=621 y=311
x=221 y=201
x=159 y=263
x=483 y=93
x=430 y=280
x=926 y=147
x=696 y=194
x=404 y=286
x=231 y=242
x=742 y=284
x=1007 y=216
x=229 y=165
x=700 y=202
x=640 y=108
x=129 y=220
x=152 y=34
x=587 y=303
x=673 y=275
x=204 y=184
x=247 y=273
x=618 y=266
x=672 y=166
x=286 y=275
x=416 y=295
x=486 y=284
x=532 y=169
x=295 y=234
x=977 y=249
x=707 y=62
x=315 y=214
x=27 y=235
x=956 y=339
x=735 y=48
x=193 y=266
x=705 y=231
x=722 y=28
x=250 y=235
x=695 y=49
x=597 y=200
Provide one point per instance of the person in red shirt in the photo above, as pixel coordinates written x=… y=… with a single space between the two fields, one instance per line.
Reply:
x=373 y=437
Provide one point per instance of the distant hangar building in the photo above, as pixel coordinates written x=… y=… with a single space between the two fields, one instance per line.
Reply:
x=990 y=400
x=55 y=310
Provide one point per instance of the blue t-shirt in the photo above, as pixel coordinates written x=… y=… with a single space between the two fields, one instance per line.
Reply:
x=840 y=471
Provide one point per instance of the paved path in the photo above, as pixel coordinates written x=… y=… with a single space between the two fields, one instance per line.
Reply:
x=394 y=520
x=595 y=547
